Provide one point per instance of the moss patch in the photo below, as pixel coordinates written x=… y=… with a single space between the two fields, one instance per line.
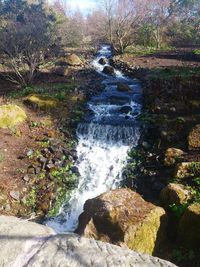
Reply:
x=11 y=115
x=41 y=102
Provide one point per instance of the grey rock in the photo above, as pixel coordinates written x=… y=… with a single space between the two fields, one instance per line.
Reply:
x=15 y=195
x=26 y=178
x=32 y=245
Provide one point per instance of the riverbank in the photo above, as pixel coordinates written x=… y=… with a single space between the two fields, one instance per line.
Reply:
x=164 y=168
x=37 y=156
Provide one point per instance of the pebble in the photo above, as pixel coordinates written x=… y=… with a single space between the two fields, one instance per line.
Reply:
x=15 y=195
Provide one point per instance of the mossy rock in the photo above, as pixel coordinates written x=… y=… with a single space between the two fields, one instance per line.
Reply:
x=187 y=169
x=73 y=60
x=41 y=102
x=189 y=227
x=174 y=194
x=171 y=155
x=123 y=218
x=194 y=138
x=11 y=115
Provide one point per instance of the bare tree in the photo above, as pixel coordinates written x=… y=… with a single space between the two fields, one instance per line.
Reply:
x=25 y=39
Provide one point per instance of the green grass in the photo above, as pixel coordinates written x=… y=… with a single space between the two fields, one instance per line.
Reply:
x=196 y=51
x=142 y=50
x=182 y=72
x=58 y=91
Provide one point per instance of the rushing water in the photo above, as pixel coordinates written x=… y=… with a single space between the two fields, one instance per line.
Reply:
x=104 y=138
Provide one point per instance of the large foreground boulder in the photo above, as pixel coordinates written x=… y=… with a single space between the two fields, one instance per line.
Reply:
x=73 y=60
x=11 y=115
x=29 y=244
x=122 y=217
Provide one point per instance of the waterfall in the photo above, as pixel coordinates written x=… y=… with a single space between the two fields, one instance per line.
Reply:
x=104 y=139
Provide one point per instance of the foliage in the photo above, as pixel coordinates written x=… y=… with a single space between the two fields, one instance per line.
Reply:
x=180 y=255
x=178 y=210
x=66 y=181
x=179 y=72
x=58 y=91
x=26 y=38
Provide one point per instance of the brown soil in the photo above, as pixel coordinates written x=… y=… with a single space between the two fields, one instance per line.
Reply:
x=15 y=144
x=178 y=58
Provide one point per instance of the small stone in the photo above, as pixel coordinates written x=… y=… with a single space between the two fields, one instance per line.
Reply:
x=145 y=145
x=15 y=195
x=75 y=170
x=52 y=149
x=123 y=87
x=126 y=109
x=7 y=207
x=26 y=178
x=42 y=160
x=31 y=170
x=102 y=61
x=50 y=166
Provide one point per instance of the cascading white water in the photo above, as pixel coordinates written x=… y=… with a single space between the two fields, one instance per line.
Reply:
x=104 y=139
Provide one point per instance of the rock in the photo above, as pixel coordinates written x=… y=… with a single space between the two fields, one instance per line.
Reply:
x=26 y=178
x=146 y=145
x=108 y=70
x=75 y=170
x=187 y=169
x=122 y=217
x=31 y=170
x=123 y=87
x=50 y=166
x=41 y=102
x=126 y=109
x=7 y=208
x=11 y=115
x=73 y=60
x=174 y=194
x=102 y=61
x=30 y=244
x=194 y=138
x=171 y=155
x=189 y=227
x=15 y=195
x=61 y=71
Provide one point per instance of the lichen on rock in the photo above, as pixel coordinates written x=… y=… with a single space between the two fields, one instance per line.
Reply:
x=73 y=60
x=174 y=194
x=11 y=115
x=122 y=217
x=194 y=137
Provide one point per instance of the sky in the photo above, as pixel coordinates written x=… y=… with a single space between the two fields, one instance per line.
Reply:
x=84 y=5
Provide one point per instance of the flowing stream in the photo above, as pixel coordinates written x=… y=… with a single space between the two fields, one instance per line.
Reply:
x=104 y=138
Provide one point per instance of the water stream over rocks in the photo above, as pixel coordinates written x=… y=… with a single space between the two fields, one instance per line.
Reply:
x=104 y=139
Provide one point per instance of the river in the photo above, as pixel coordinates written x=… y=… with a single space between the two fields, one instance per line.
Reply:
x=104 y=138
